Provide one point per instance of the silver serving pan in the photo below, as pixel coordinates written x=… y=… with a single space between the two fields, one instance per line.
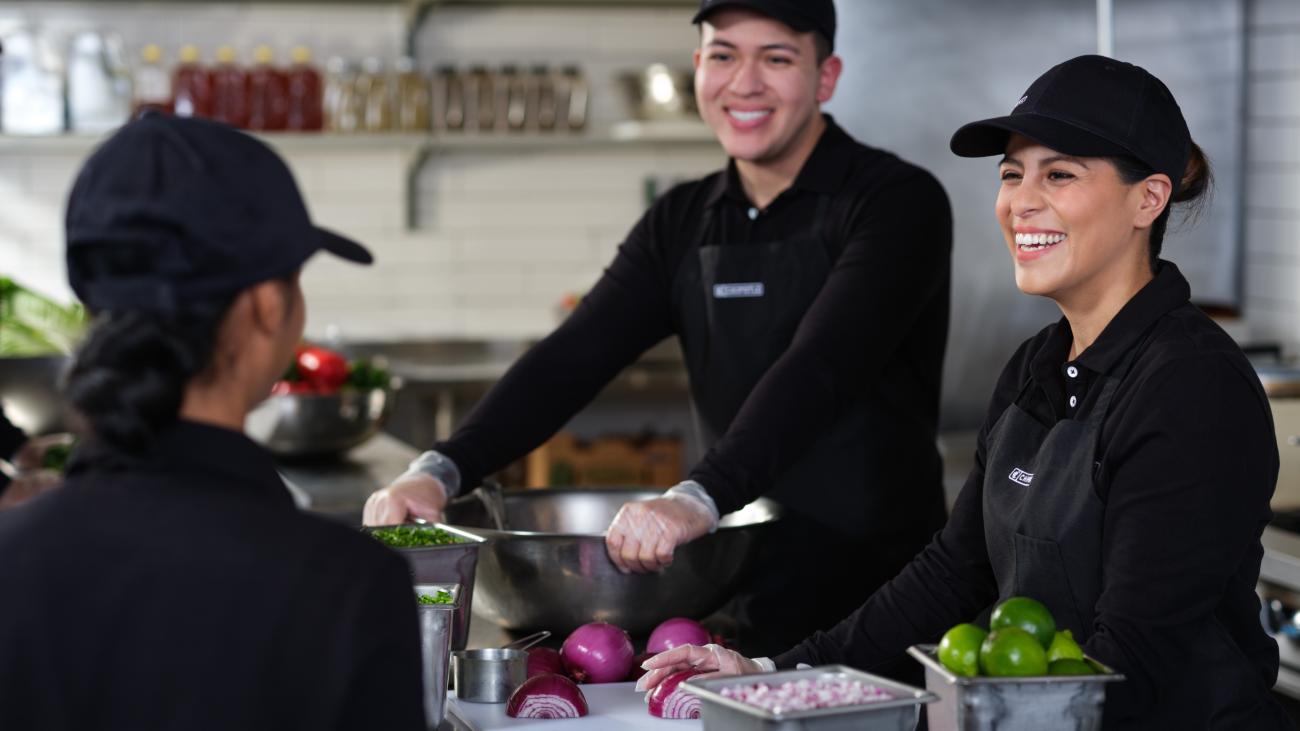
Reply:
x=452 y=564
x=726 y=714
x=1065 y=702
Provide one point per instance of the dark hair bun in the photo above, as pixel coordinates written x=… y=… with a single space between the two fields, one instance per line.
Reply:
x=1198 y=177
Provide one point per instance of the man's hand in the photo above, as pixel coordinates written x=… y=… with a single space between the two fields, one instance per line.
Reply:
x=413 y=495
x=643 y=535
x=715 y=659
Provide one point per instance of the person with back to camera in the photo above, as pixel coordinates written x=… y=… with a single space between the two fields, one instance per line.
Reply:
x=1124 y=471
x=171 y=583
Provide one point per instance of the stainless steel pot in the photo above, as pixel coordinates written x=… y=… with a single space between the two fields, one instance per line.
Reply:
x=547 y=567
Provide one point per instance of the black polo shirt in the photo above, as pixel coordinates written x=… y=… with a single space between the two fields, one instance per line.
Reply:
x=185 y=591
x=1186 y=464
x=11 y=438
x=876 y=331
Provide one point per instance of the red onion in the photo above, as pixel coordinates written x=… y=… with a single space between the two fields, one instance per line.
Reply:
x=668 y=700
x=547 y=696
x=637 y=671
x=674 y=632
x=805 y=695
x=597 y=652
x=544 y=660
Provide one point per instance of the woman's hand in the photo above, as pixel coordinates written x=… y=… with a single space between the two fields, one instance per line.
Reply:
x=410 y=496
x=714 y=659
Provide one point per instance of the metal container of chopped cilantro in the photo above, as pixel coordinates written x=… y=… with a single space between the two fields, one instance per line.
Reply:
x=436 y=606
x=438 y=554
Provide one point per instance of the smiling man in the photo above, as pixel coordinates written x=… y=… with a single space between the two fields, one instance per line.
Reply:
x=808 y=282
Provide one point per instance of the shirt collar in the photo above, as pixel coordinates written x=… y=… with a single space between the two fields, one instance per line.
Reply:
x=206 y=452
x=1167 y=291
x=824 y=171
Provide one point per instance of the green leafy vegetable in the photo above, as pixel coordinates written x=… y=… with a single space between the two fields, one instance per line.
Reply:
x=56 y=457
x=412 y=536
x=32 y=324
x=442 y=597
x=364 y=374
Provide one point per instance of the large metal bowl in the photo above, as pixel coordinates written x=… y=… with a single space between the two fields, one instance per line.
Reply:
x=30 y=393
x=315 y=425
x=549 y=570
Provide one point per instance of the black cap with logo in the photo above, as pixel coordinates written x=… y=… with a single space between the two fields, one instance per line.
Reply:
x=1091 y=106
x=194 y=210
x=802 y=15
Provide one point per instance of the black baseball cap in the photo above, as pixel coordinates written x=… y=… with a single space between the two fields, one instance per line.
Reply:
x=198 y=211
x=1091 y=106
x=802 y=15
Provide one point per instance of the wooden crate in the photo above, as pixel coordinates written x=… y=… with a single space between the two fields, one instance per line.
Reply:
x=653 y=460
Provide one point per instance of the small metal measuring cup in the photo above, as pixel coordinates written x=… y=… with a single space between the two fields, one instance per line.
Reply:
x=490 y=675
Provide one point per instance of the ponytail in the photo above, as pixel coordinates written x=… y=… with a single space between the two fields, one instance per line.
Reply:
x=1193 y=189
x=128 y=377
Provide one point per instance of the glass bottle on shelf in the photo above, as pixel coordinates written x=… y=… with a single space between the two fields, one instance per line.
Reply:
x=576 y=98
x=191 y=85
x=542 y=97
x=338 y=101
x=229 y=89
x=32 y=99
x=268 y=93
x=153 y=85
x=447 y=107
x=376 y=96
x=304 y=111
x=98 y=83
x=481 y=99
x=516 y=110
x=413 y=94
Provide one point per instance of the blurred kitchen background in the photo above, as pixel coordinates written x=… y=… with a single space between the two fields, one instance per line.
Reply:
x=494 y=154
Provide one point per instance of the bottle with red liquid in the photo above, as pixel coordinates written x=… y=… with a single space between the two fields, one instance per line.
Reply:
x=229 y=90
x=305 y=111
x=268 y=93
x=191 y=86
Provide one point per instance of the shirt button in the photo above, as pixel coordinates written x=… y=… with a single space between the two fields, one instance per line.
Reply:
x=753 y=213
x=1074 y=401
x=1072 y=372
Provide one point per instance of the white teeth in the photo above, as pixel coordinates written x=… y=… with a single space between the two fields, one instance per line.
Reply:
x=1038 y=241
x=748 y=116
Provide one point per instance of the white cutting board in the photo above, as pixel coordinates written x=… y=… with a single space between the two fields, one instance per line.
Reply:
x=610 y=707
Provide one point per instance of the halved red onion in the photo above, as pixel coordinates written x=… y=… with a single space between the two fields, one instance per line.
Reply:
x=637 y=671
x=547 y=696
x=668 y=700
x=544 y=660
x=674 y=632
x=597 y=652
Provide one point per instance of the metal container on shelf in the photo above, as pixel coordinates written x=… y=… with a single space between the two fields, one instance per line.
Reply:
x=899 y=713
x=1068 y=703
x=454 y=563
x=437 y=622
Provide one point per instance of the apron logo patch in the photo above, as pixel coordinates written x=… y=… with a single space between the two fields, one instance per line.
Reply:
x=1020 y=477
x=737 y=290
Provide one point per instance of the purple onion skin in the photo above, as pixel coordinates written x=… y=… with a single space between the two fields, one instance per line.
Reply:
x=598 y=652
x=547 y=696
x=676 y=632
x=637 y=671
x=657 y=704
x=544 y=660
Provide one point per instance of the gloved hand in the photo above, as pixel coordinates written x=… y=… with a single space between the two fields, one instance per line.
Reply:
x=413 y=495
x=643 y=535
x=27 y=485
x=714 y=658
x=31 y=456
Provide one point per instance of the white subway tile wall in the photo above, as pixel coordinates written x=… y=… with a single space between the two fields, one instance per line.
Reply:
x=500 y=235
x=1272 y=196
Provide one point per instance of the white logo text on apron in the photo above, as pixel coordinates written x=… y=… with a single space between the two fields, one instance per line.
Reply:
x=1020 y=477
x=738 y=289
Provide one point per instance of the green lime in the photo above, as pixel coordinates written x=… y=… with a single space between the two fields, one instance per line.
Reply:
x=1064 y=647
x=1069 y=666
x=959 y=650
x=1012 y=652
x=1027 y=614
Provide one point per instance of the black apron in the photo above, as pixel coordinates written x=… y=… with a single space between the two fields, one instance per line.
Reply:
x=738 y=307
x=1042 y=516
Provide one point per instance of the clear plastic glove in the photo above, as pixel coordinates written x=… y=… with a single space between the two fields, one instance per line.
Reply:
x=413 y=495
x=31 y=456
x=28 y=485
x=714 y=659
x=643 y=535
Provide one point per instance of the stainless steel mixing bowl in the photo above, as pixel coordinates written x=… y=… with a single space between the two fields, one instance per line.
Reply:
x=548 y=568
x=309 y=425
